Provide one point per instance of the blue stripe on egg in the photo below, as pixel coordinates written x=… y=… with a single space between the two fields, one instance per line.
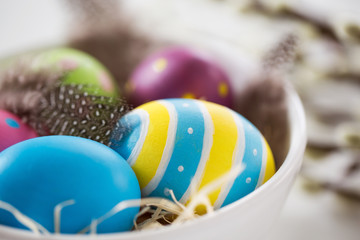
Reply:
x=252 y=160
x=131 y=139
x=131 y=144
x=237 y=159
x=187 y=152
x=207 y=143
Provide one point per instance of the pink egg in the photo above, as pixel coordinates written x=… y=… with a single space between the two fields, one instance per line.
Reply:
x=179 y=72
x=13 y=130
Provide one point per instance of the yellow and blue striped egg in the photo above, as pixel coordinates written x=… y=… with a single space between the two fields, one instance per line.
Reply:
x=175 y=142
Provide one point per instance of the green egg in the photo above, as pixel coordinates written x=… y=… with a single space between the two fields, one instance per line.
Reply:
x=80 y=68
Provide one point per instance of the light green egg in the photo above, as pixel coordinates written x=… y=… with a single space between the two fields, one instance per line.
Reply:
x=80 y=68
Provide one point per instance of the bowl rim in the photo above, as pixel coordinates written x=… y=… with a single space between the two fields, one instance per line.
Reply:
x=291 y=164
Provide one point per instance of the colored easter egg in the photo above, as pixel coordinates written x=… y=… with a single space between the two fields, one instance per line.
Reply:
x=81 y=68
x=179 y=72
x=176 y=141
x=38 y=174
x=13 y=130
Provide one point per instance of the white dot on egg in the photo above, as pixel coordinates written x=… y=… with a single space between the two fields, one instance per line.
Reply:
x=190 y=130
x=255 y=152
x=248 y=180
x=181 y=168
x=185 y=104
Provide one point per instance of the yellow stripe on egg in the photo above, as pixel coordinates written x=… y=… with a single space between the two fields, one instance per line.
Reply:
x=168 y=149
x=237 y=158
x=270 y=163
x=155 y=149
x=224 y=143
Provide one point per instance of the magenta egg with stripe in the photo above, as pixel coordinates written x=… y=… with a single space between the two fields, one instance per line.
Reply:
x=13 y=130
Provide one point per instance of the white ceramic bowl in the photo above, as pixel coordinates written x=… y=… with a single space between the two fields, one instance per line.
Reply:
x=248 y=218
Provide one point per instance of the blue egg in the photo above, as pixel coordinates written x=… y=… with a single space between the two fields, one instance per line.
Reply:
x=38 y=174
